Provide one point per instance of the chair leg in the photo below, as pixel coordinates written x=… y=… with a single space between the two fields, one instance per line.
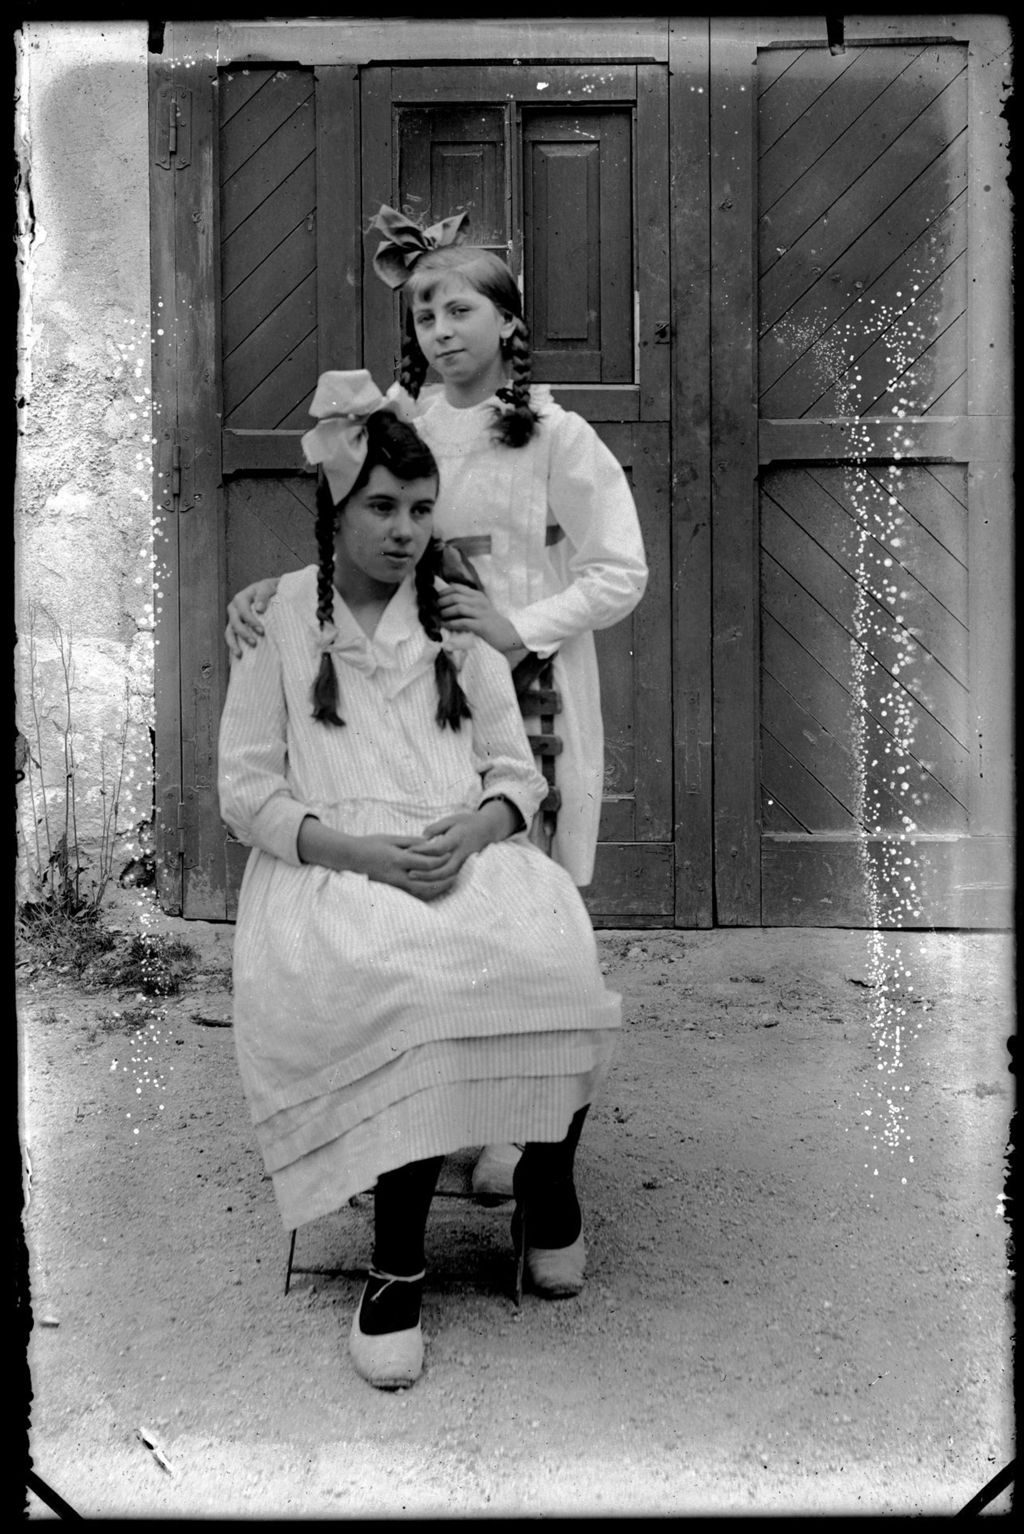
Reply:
x=291 y=1259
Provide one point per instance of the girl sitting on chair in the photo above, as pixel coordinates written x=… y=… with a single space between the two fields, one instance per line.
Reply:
x=532 y=498
x=411 y=974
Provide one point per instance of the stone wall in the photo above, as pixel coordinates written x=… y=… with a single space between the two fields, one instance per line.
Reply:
x=84 y=553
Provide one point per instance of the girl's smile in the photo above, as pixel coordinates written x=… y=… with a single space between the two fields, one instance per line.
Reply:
x=460 y=333
x=383 y=530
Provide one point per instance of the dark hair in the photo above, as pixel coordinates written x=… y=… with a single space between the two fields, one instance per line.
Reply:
x=400 y=449
x=489 y=275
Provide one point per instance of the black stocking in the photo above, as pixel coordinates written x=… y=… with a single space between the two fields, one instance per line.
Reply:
x=401 y=1203
x=544 y=1182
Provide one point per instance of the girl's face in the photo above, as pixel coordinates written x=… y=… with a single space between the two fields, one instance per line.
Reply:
x=460 y=333
x=383 y=530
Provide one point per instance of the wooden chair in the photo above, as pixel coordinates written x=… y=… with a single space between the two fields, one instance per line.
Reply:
x=539 y=699
x=534 y=683
x=485 y=1234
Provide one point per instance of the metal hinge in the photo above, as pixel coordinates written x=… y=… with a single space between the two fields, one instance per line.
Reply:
x=172 y=127
x=180 y=823
x=176 y=480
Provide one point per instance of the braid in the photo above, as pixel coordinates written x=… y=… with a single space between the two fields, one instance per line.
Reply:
x=515 y=427
x=452 y=705
x=412 y=368
x=325 y=688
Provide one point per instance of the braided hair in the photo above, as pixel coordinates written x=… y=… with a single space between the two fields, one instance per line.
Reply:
x=489 y=275
x=400 y=449
x=452 y=704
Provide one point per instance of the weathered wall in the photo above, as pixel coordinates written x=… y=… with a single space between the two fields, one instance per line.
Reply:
x=83 y=526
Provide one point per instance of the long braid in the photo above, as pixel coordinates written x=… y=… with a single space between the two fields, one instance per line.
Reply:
x=412 y=368
x=452 y=704
x=325 y=688
x=515 y=427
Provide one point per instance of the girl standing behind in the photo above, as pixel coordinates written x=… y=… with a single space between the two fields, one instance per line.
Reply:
x=529 y=493
x=411 y=975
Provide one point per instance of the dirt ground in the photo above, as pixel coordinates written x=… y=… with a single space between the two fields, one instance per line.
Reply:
x=794 y=1304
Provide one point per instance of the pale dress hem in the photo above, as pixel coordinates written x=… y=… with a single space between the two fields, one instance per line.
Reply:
x=436 y=1123
x=474 y=1065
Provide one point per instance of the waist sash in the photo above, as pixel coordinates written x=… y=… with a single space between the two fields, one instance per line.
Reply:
x=480 y=543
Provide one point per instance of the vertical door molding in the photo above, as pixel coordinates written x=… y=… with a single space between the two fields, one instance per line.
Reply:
x=186 y=399
x=167 y=579
x=380 y=304
x=989 y=395
x=732 y=99
x=653 y=237
x=689 y=353
x=339 y=244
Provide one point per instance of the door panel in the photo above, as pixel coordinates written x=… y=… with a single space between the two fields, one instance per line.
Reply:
x=577 y=245
x=856 y=654
x=268 y=306
x=454 y=158
x=552 y=189
x=269 y=525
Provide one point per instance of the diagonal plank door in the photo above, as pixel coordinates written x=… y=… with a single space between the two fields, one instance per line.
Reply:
x=857 y=643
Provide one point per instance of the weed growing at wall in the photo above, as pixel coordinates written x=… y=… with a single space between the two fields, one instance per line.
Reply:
x=61 y=882
x=64 y=874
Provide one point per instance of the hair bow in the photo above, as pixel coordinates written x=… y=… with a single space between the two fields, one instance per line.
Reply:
x=342 y=403
x=396 y=255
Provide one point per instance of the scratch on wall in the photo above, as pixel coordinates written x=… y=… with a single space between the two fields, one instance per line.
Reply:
x=883 y=726
x=30 y=233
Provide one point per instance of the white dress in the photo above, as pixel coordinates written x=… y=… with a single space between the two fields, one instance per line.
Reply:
x=372 y=1028
x=555 y=594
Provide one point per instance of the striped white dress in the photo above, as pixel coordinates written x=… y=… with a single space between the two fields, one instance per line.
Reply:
x=372 y=1028
x=556 y=592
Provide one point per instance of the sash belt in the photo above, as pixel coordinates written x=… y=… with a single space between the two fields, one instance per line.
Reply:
x=480 y=543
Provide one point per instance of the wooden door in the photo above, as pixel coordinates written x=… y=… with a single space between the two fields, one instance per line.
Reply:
x=284 y=166
x=564 y=173
x=860 y=368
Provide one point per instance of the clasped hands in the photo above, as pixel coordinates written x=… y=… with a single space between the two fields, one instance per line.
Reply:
x=425 y=866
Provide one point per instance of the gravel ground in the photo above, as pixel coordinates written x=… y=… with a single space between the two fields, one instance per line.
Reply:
x=794 y=1304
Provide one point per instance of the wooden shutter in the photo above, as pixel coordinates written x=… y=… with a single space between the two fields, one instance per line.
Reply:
x=578 y=247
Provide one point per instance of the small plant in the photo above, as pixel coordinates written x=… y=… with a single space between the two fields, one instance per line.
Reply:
x=131 y=1020
x=56 y=870
x=154 y=964
x=54 y=939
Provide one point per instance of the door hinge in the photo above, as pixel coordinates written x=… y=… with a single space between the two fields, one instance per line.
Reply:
x=175 y=476
x=172 y=127
x=181 y=827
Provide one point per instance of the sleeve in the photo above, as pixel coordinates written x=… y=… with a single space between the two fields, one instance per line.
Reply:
x=255 y=799
x=590 y=499
x=501 y=751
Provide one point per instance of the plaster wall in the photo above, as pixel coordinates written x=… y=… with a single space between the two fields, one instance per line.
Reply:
x=84 y=540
